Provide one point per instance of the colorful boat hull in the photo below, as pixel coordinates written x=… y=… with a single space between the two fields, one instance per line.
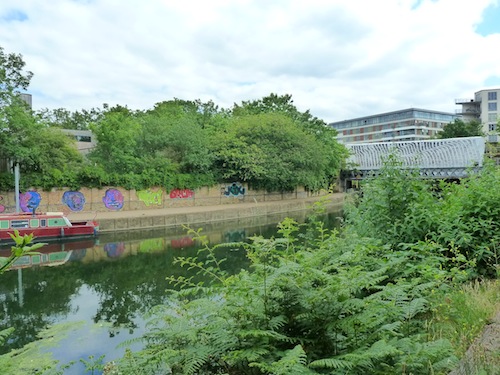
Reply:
x=46 y=226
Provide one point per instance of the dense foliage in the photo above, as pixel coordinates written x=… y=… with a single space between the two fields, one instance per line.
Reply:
x=323 y=302
x=267 y=143
x=190 y=144
x=461 y=128
x=381 y=296
x=43 y=153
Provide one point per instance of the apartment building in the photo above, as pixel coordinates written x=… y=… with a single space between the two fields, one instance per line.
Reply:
x=485 y=108
x=410 y=124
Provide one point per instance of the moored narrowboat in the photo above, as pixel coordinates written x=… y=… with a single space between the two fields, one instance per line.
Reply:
x=46 y=226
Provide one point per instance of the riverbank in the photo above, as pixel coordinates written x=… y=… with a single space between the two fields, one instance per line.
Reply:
x=114 y=221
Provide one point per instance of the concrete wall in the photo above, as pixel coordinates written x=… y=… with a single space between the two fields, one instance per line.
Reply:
x=119 y=199
x=243 y=214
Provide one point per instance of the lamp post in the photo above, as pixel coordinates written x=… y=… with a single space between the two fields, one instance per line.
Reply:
x=16 y=184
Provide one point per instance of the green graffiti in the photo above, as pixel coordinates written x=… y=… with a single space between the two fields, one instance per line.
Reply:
x=150 y=197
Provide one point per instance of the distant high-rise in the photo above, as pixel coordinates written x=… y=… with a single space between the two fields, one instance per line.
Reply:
x=410 y=124
x=28 y=99
x=485 y=108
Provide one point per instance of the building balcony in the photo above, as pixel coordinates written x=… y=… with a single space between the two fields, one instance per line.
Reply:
x=464 y=101
x=468 y=112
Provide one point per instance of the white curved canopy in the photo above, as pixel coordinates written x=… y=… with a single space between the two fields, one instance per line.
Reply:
x=428 y=154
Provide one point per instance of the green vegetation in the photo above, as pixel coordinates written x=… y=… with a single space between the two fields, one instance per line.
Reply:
x=266 y=143
x=389 y=294
x=43 y=153
x=23 y=245
x=403 y=288
x=460 y=128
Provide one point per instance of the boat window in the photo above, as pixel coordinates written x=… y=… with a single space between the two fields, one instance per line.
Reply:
x=4 y=224
x=19 y=224
x=43 y=222
x=57 y=222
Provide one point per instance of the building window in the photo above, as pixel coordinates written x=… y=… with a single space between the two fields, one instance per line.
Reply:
x=492 y=95
x=492 y=117
x=492 y=106
x=492 y=127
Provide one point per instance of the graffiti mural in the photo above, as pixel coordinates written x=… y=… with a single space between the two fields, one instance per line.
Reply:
x=151 y=245
x=150 y=197
x=75 y=200
x=179 y=243
x=2 y=207
x=114 y=249
x=237 y=235
x=113 y=199
x=29 y=201
x=181 y=193
x=234 y=190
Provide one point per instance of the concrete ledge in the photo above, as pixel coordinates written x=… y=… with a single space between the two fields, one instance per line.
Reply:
x=170 y=217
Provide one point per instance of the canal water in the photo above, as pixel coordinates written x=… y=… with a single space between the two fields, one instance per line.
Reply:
x=105 y=287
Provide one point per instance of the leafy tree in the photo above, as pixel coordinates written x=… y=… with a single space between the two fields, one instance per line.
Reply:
x=460 y=128
x=23 y=138
x=16 y=124
x=117 y=137
x=280 y=104
x=65 y=119
x=270 y=151
x=325 y=135
x=175 y=130
x=13 y=78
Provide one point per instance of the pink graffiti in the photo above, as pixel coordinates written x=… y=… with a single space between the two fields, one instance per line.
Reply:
x=179 y=243
x=181 y=193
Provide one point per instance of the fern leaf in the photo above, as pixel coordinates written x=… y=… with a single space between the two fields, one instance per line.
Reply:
x=414 y=307
x=4 y=334
x=332 y=363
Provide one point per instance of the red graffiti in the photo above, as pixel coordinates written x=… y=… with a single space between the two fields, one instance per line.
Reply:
x=181 y=193
x=179 y=243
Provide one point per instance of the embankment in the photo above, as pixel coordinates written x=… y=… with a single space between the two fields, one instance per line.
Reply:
x=113 y=221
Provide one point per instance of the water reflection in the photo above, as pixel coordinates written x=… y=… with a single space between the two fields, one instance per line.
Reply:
x=115 y=279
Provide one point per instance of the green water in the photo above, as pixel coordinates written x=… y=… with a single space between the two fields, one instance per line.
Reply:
x=109 y=285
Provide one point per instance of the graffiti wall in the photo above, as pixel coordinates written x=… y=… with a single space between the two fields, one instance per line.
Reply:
x=74 y=200
x=150 y=197
x=29 y=201
x=234 y=190
x=113 y=199
x=181 y=194
x=116 y=199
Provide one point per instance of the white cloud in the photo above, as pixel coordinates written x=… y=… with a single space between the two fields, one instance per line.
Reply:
x=339 y=59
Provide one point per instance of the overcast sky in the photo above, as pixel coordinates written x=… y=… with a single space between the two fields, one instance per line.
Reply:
x=338 y=58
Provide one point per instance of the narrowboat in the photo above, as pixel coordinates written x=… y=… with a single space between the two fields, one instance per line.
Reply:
x=52 y=254
x=46 y=226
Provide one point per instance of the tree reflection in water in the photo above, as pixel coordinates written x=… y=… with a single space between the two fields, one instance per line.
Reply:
x=127 y=272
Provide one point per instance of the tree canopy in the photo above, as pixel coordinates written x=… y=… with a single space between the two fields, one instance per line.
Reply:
x=267 y=143
x=40 y=150
x=459 y=128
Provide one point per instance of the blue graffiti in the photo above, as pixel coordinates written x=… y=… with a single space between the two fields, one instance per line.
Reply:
x=113 y=199
x=29 y=201
x=234 y=190
x=75 y=200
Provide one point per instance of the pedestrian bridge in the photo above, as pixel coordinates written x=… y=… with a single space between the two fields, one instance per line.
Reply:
x=452 y=158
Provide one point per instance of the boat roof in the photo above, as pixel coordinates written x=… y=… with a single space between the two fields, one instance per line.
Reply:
x=27 y=215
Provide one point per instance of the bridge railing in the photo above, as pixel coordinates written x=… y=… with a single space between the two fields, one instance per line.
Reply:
x=427 y=154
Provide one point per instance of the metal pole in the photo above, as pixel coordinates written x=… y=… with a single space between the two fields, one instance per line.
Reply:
x=20 y=287
x=16 y=193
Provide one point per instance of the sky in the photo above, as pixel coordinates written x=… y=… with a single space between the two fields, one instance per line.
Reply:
x=339 y=59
